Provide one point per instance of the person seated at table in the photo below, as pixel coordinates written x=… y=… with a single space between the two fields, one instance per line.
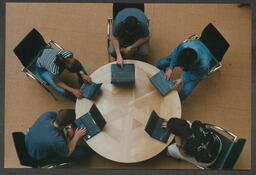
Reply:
x=194 y=58
x=130 y=35
x=193 y=142
x=46 y=143
x=51 y=63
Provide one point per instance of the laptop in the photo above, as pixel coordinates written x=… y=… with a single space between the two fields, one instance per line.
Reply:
x=90 y=91
x=161 y=84
x=154 y=128
x=93 y=121
x=125 y=75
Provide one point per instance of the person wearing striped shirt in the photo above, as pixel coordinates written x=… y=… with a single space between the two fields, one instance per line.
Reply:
x=52 y=62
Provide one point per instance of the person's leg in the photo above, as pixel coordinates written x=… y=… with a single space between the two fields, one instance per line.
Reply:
x=46 y=76
x=187 y=89
x=79 y=153
x=163 y=63
x=142 y=52
x=173 y=151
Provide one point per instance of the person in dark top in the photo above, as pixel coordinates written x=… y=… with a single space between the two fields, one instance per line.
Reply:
x=194 y=142
x=130 y=36
x=46 y=143
x=194 y=58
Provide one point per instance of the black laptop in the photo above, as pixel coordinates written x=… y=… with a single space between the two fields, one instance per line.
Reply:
x=93 y=121
x=125 y=75
x=163 y=86
x=90 y=90
x=154 y=128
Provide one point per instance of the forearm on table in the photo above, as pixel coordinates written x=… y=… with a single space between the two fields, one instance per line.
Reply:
x=63 y=85
x=116 y=45
x=140 y=42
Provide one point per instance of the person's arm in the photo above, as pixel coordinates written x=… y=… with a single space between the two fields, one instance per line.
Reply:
x=116 y=46
x=173 y=63
x=178 y=142
x=85 y=78
x=139 y=42
x=193 y=76
x=62 y=85
x=79 y=133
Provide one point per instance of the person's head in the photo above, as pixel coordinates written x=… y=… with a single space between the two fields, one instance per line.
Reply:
x=71 y=64
x=131 y=25
x=65 y=117
x=187 y=58
x=179 y=127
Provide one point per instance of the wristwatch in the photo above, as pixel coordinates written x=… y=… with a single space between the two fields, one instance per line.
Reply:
x=68 y=127
x=81 y=72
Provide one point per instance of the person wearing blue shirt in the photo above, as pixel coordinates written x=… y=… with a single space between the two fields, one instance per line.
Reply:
x=46 y=142
x=130 y=35
x=194 y=58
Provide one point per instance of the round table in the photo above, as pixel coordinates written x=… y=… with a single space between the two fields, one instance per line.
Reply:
x=126 y=109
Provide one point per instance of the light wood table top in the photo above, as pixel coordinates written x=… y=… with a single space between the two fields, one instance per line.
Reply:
x=126 y=109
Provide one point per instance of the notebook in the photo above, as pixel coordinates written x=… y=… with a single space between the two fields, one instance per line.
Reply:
x=154 y=128
x=125 y=75
x=163 y=86
x=90 y=91
x=93 y=121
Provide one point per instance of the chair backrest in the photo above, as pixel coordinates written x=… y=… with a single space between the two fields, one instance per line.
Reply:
x=214 y=41
x=120 y=6
x=29 y=47
x=229 y=154
x=19 y=143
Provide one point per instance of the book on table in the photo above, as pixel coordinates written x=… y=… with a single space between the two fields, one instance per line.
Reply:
x=93 y=121
x=154 y=128
x=161 y=84
x=125 y=75
x=90 y=90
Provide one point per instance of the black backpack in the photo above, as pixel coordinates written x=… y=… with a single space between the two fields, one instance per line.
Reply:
x=203 y=144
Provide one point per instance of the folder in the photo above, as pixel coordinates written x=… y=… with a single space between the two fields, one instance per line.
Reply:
x=93 y=121
x=161 y=84
x=154 y=128
x=90 y=91
x=125 y=75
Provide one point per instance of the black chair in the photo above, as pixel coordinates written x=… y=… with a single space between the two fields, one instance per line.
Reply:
x=116 y=8
x=231 y=148
x=215 y=42
x=28 y=50
x=23 y=156
x=19 y=143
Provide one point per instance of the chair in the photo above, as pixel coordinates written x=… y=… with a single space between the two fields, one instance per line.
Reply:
x=23 y=156
x=116 y=8
x=231 y=148
x=19 y=143
x=28 y=50
x=215 y=42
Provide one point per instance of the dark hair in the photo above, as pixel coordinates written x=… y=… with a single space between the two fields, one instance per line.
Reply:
x=75 y=67
x=65 y=117
x=179 y=127
x=62 y=62
x=131 y=24
x=187 y=58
